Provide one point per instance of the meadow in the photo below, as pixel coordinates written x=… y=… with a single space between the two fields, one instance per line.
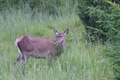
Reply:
x=82 y=60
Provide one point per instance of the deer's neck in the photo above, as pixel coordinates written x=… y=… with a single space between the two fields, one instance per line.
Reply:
x=62 y=45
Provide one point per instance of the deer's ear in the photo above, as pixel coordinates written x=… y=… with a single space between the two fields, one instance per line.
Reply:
x=55 y=31
x=66 y=31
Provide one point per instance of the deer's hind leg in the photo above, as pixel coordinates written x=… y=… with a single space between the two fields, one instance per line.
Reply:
x=26 y=56
x=19 y=57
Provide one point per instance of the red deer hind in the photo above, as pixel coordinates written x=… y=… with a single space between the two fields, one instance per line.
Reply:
x=40 y=47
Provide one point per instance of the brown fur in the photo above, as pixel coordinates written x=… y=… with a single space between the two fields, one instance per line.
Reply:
x=40 y=47
x=29 y=43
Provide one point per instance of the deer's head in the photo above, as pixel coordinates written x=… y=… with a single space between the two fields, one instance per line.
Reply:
x=60 y=36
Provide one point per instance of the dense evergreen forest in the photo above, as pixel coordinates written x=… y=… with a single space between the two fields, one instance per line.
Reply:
x=93 y=43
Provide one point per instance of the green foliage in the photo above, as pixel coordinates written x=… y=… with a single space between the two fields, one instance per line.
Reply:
x=44 y=6
x=81 y=61
x=113 y=54
x=98 y=14
x=102 y=18
x=115 y=31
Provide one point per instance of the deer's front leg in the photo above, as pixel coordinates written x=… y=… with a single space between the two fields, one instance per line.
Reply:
x=49 y=59
x=56 y=59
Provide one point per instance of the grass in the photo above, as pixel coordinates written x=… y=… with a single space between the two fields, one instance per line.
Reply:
x=80 y=61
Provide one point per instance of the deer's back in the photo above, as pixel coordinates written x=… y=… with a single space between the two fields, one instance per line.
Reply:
x=36 y=45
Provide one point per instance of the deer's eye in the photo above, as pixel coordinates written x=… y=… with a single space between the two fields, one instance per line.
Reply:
x=59 y=36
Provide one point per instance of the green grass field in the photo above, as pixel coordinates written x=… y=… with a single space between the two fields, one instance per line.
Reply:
x=80 y=61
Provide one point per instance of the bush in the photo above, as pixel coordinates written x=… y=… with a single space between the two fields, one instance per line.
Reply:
x=97 y=17
x=102 y=18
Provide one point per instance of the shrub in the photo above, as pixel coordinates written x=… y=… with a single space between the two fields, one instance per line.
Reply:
x=102 y=18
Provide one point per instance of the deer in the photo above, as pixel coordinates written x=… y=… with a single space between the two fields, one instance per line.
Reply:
x=38 y=47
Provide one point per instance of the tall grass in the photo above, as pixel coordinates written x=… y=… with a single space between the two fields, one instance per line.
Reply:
x=80 y=61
